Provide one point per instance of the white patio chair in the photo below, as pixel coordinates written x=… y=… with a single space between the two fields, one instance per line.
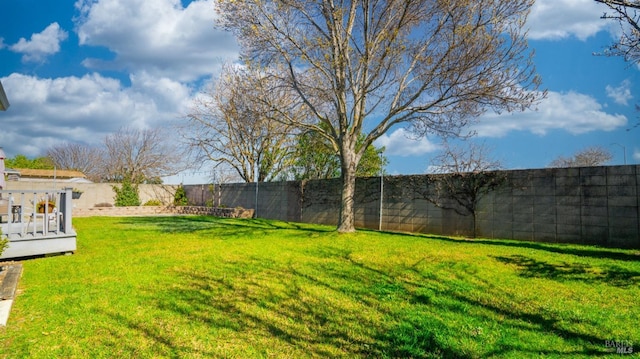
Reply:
x=47 y=219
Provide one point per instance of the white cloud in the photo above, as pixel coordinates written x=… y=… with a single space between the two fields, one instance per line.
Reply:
x=168 y=95
x=559 y=19
x=42 y=44
x=621 y=94
x=401 y=143
x=636 y=155
x=84 y=109
x=160 y=37
x=572 y=112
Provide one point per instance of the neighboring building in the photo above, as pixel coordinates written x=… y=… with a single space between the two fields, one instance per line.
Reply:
x=27 y=174
x=12 y=175
x=4 y=102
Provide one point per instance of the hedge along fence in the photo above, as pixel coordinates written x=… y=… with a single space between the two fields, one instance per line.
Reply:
x=589 y=205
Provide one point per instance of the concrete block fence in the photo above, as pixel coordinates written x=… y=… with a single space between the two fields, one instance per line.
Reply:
x=589 y=205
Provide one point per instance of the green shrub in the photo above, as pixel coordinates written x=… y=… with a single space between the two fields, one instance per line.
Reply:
x=153 y=202
x=127 y=194
x=180 y=198
x=4 y=243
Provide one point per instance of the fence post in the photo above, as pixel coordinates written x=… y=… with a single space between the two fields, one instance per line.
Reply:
x=66 y=206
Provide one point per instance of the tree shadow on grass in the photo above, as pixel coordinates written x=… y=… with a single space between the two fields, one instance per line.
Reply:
x=191 y=224
x=592 y=252
x=171 y=224
x=561 y=248
x=488 y=302
x=526 y=321
x=338 y=306
x=450 y=298
x=162 y=344
x=497 y=301
x=611 y=275
x=263 y=314
x=317 y=316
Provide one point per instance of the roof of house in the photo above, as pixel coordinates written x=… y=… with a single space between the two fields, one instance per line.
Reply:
x=11 y=171
x=61 y=174
x=4 y=102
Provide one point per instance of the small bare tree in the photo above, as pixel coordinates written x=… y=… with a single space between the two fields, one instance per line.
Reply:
x=78 y=157
x=141 y=156
x=590 y=156
x=361 y=67
x=462 y=176
x=230 y=126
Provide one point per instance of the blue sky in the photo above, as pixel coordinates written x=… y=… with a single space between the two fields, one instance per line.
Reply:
x=76 y=71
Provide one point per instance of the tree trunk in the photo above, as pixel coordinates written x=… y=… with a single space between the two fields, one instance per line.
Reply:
x=475 y=224
x=346 y=223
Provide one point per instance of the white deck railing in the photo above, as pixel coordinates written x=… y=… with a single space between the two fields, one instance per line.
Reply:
x=33 y=214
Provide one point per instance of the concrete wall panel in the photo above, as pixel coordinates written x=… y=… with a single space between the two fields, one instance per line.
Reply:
x=576 y=205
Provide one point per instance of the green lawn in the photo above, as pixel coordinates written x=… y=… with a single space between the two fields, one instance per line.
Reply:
x=203 y=287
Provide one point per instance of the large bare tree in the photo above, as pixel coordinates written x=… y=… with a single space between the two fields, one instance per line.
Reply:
x=230 y=127
x=141 y=156
x=78 y=157
x=365 y=66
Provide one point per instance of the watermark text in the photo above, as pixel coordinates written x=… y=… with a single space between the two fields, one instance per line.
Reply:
x=619 y=346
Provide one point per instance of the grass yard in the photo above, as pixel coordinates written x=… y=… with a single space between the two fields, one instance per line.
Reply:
x=200 y=287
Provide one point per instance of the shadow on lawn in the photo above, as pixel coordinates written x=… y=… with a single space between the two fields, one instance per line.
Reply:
x=120 y=345
x=338 y=306
x=171 y=224
x=561 y=248
x=239 y=227
x=295 y=311
x=486 y=304
x=612 y=275
x=281 y=319
x=222 y=226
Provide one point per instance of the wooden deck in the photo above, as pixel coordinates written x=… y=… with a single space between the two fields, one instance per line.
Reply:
x=31 y=233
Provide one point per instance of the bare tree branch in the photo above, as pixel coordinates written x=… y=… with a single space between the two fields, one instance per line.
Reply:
x=590 y=156
x=231 y=125
x=462 y=177
x=627 y=15
x=78 y=157
x=141 y=156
